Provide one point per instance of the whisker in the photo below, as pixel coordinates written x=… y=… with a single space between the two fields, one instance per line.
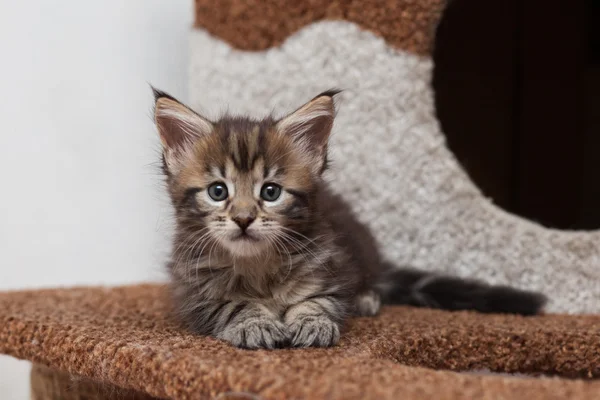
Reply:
x=304 y=248
x=276 y=240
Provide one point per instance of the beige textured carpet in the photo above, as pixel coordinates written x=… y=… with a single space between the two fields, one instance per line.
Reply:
x=123 y=336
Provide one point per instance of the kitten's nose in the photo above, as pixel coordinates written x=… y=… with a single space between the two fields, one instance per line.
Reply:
x=244 y=221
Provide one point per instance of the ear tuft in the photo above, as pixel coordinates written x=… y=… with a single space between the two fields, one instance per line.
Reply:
x=330 y=93
x=160 y=94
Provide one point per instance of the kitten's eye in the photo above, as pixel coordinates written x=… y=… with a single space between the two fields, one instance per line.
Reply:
x=218 y=191
x=270 y=192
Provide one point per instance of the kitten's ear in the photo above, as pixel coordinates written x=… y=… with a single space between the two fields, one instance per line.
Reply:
x=178 y=126
x=311 y=124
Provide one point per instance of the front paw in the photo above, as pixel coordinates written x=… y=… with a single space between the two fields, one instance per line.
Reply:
x=314 y=331
x=256 y=333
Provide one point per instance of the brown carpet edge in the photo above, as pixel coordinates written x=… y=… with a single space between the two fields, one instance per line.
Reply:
x=256 y=25
x=124 y=336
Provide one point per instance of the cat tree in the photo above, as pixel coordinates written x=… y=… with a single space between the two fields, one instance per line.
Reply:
x=391 y=161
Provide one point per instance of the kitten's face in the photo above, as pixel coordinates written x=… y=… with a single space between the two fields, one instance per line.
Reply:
x=246 y=186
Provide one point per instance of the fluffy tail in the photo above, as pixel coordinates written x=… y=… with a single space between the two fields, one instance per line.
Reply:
x=426 y=289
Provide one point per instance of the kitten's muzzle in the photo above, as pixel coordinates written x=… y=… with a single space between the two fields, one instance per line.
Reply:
x=245 y=236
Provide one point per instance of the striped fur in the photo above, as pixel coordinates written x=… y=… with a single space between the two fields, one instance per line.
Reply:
x=265 y=274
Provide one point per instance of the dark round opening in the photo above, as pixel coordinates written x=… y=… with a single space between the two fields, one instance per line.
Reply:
x=518 y=97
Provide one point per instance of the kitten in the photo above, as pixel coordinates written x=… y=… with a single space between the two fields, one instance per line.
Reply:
x=265 y=255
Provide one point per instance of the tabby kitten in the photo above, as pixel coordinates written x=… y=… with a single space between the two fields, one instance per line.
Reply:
x=265 y=255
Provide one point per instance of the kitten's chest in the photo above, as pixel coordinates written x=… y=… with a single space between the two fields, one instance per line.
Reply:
x=294 y=291
x=279 y=291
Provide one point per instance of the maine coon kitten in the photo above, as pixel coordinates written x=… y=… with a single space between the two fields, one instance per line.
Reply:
x=265 y=255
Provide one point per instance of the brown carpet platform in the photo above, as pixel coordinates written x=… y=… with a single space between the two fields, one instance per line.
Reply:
x=121 y=343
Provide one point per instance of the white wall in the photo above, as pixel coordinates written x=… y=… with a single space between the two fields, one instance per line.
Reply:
x=80 y=202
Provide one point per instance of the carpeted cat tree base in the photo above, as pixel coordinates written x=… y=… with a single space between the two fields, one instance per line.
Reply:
x=121 y=343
